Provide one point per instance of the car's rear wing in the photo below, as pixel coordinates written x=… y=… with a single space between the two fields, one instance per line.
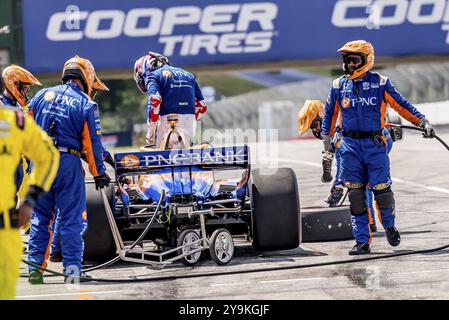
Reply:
x=211 y=158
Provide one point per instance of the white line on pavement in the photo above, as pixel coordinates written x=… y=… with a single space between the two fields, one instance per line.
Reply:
x=398 y=180
x=230 y=284
x=419 y=185
x=307 y=163
x=67 y=294
x=327 y=278
x=299 y=279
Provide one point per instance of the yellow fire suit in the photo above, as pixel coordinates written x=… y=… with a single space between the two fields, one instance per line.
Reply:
x=19 y=135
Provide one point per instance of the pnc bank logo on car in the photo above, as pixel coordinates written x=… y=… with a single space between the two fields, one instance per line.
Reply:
x=380 y=13
x=130 y=161
x=222 y=28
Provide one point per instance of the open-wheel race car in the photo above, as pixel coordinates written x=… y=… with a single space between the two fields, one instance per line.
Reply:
x=173 y=204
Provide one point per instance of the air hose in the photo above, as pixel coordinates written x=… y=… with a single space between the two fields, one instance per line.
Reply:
x=225 y=273
x=422 y=130
x=408 y=128
x=256 y=270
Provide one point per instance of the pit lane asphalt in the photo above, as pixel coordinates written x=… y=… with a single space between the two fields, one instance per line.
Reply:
x=421 y=185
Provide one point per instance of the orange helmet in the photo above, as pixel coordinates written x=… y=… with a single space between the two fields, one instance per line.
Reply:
x=98 y=86
x=308 y=113
x=365 y=50
x=82 y=69
x=14 y=77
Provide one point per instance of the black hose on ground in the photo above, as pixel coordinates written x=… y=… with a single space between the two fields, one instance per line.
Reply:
x=142 y=235
x=225 y=273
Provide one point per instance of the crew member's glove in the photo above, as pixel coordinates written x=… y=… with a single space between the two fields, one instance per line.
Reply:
x=34 y=193
x=108 y=159
x=328 y=156
x=327 y=166
x=335 y=196
x=24 y=211
x=29 y=166
x=102 y=181
x=429 y=131
x=200 y=109
x=151 y=133
x=327 y=143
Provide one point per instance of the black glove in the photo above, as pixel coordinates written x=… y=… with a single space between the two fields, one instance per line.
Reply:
x=33 y=195
x=29 y=166
x=102 y=181
x=110 y=161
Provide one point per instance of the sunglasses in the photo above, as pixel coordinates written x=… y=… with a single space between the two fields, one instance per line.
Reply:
x=353 y=59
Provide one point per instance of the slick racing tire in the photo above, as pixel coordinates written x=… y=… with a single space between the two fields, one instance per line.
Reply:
x=326 y=224
x=275 y=210
x=98 y=240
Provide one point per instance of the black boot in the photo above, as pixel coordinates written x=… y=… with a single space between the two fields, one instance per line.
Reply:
x=373 y=227
x=393 y=236
x=360 y=248
x=335 y=196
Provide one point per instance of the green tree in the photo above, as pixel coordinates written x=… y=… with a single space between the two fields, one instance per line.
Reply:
x=121 y=107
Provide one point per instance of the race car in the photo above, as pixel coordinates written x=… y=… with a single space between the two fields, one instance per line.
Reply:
x=184 y=201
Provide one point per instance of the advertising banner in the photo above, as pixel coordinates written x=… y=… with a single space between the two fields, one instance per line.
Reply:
x=114 y=33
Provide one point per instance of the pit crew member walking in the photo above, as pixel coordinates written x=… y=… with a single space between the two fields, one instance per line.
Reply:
x=70 y=117
x=170 y=90
x=19 y=135
x=362 y=96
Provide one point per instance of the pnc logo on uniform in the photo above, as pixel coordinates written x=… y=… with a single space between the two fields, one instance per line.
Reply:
x=130 y=161
x=370 y=101
x=167 y=73
x=346 y=103
x=49 y=96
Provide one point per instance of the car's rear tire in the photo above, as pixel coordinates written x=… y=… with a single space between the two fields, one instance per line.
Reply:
x=276 y=214
x=326 y=224
x=98 y=240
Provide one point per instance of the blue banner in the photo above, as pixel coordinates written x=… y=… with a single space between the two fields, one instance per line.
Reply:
x=114 y=33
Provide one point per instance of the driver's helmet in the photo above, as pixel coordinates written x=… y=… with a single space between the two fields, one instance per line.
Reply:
x=147 y=64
